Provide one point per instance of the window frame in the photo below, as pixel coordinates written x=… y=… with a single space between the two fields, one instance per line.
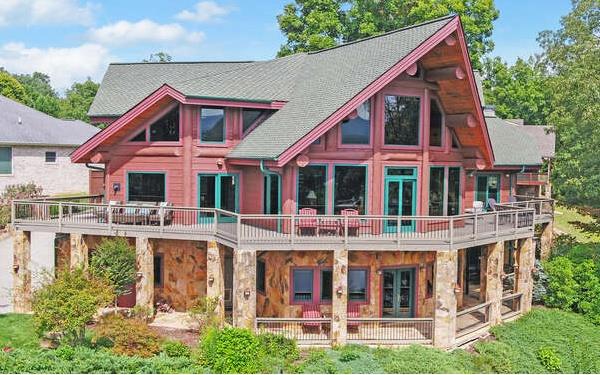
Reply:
x=225 y=115
x=445 y=188
x=262 y=291
x=443 y=135
x=487 y=175
x=341 y=144
x=10 y=151
x=267 y=183
x=366 y=194
x=314 y=291
x=266 y=113
x=147 y=124
x=321 y=300
x=317 y=285
x=47 y=153
x=325 y=184
x=406 y=93
x=127 y=173
x=367 y=299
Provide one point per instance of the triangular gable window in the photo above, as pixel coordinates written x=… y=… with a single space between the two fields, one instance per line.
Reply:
x=140 y=137
x=166 y=129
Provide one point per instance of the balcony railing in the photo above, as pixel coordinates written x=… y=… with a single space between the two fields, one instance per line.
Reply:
x=472 y=319
x=511 y=305
x=532 y=178
x=390 y=331
x=543 y=207
x=313 y=331
x=277 y=231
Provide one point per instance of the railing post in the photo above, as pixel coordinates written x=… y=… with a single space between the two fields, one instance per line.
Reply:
x=346 y=229
x=60 y=216
x=497 y=222
x=398 y=231
x=292 y=229
x=161 y=214
x=13 y=212
x=516 y=220
x=451 y=231
x=215 y=219
x=475 y=224
x=109 y=217
x=239 y=229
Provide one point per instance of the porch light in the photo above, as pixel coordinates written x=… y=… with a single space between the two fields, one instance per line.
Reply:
x=15 y=268
x=339 y=291
x=220 y=163
x=139 y=275
x=211 y=279
x=247 y=292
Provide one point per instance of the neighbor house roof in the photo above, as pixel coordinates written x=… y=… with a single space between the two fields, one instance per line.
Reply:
x=512 y=145
x=22 y=125
x=544 y=136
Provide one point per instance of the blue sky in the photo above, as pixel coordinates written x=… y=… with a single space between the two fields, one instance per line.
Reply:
x=73 y=39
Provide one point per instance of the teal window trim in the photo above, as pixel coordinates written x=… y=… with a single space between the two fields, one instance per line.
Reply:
x=400 y=178
x=6 y=165
x=267 y=189
x=145 y=172
x=218 y=176
x=325 y=185
x=446 y=187
x=366 y=197
x=487 y=197
x=224 y=127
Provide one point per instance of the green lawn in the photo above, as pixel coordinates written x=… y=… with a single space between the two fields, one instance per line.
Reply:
x=567 y=219
x=571 y=339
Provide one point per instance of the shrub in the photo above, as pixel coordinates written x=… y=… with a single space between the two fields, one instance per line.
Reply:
x=20 y=191
x=348 y=353
x=540 y=283
x=280 y=346
x=67 y=304
x=204 y=311
x=549 y=359
x=114 y=259
x=130 y=337
x=588 y=296
x=232 y=350
x=494 y=358
x=4 y=215
x=562 y=288
x=176 y=349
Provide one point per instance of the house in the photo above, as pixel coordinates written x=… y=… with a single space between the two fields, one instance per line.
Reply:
x=35 y=147
x=351 y=195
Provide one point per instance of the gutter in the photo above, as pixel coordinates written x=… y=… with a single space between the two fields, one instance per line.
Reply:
x=94 y=168
x=266 y=171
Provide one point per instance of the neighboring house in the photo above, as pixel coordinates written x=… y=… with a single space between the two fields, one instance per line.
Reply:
x=35 y=147
x=351 y=195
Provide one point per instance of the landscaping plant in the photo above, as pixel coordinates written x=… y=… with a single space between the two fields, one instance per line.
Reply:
x=114 y=259
x=232 y=350
x=130 y=337
x=204 y=312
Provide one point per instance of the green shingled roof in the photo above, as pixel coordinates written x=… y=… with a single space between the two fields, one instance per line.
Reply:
x=511 y=144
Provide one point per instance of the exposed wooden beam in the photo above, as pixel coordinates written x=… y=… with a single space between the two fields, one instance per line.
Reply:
x=478 y=164
x=461 y=120
x=445 y=74
x=450 y=40
x=471 y=153
x=412 y=70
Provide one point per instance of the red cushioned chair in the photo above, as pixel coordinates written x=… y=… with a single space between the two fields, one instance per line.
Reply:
x=353 y=312
x=311 y=311
x=307 y=226
x=353 y=224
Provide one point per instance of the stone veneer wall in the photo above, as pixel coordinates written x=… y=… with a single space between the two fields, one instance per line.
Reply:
x=276 y=301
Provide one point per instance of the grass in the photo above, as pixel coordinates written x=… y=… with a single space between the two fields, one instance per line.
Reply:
x=16 y=331
x=569 y=220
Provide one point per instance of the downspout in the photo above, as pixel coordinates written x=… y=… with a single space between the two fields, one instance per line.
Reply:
x=267 y=172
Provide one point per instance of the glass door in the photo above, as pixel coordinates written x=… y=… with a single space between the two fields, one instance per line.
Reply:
x=218 y=191
x=400 y=198
x=488 y=187
x=398 y=293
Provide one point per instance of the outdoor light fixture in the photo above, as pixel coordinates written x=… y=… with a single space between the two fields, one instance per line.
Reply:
x=339 y=291
x=247 y=292
x=220 y=163
x=15 y=268
x=139 y=274
x=211 y=279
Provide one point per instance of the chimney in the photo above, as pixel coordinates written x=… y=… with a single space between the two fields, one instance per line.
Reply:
x=489 y=111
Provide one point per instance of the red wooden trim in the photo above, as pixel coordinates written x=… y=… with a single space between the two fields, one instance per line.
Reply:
x=150 y=122
x=370 y=90
x=234 y=103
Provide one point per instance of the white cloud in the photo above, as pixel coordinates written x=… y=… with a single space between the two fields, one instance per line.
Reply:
x=63 y=65
x=204 y=11
x=36 y=12
x=126 y=32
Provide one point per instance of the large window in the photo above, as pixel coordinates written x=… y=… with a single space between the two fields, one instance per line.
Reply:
x=326 y=285
x=435 y=124
x=254 y=116
x=402 y=120
x=261 y=276
x=357 y=285
x=166 y=129
x=271 y=194
x=350 y=188
x=312 y=188
x=5 y=160
x=212 y=125
x=488 y=187
x=357 y=129
x=146 y=187
x=303 y=285
x=444 y=191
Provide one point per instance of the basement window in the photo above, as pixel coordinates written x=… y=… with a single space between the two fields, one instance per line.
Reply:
x=261 y=276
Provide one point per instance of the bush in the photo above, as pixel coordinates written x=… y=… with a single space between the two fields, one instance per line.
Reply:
x=20 y=191
x=114 y=259
x=66 y=305
x=588 y=294
x=176 y=349
x=204 y=311
x=494 y=358
x=540 y=283
x=280 y=346
x=562 y=288
x=549 y=359
x=232 y=350
x=130 y=337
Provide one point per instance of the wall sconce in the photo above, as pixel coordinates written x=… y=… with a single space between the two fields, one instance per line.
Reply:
x=421 y=266
x=15 y=268
x=471 y=174
x=139 y=275
x=457 y=288
x=220 y=163
x=247 y=293
x=211 y=279
x=339 y=291
x=379 y=272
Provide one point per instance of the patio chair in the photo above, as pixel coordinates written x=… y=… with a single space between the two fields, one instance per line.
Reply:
x=311 y=311
x=102 y=214
x=492 y=205
x=307 y=226
x=353 y=224
x=353 y=312
x=154 y=217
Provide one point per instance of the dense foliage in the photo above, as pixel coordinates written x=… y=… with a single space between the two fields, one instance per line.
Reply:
x=67 y=304
x=232 y=350
x=310 y=25
x=18 y=191
x=204 y=312
x=114 y=260
x=130 y=337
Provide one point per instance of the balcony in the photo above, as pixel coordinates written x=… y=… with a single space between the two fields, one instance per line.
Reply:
x=532 y=179
x=281 y=232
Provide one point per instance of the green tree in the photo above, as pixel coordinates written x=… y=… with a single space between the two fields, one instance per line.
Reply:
x=40 y=92
x=114 y=260
x=159 y=57
x=517 y=91
x=78 y=100
x=11 y=88
x=315 y=24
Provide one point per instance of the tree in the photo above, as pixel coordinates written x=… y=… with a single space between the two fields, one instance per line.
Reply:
x=517 y=91
x=315 y=24
x=78 y=100
x=11 y=88
x=160 y=57
x=41 y=94
x=572 y=54
x=114 y=260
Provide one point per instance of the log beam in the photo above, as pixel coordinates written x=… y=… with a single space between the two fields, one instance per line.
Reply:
x=478 y=164
x=445 y=74
x=412 y=70
x=461 y=120
x=471 y=153
x=450 y=40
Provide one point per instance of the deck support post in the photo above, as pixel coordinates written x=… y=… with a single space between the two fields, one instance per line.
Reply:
x=144 y=285
x=79 y=252
x=215 y=286
x=244 y=288
x=21 y=295
x=444 y=318
x=546 y=240
x=339 y=304
x=526 y=263
x=493 y=285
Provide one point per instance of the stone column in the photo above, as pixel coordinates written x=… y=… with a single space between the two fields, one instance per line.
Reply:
x=215 y=284
x=444 y=330
x=339 y=304
x=546 y=239
x=524 y=279
x=144 y=285
x=244 y=288
x=493 y=290
x=79 y=252
x=21 y=294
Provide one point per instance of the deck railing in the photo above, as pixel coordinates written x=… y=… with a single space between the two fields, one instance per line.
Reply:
x=541 y=206
x=313 y=331
x=472 y=319
x=532 y=178
x=290 y=230
x=390 y=331
x=511 y=305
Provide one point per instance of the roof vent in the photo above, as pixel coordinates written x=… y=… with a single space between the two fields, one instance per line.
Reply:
x=489 y=111
x=19 y=120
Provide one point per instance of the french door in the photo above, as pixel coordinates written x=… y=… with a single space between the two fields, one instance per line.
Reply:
x=218 y=191
x=400 y=198
x=398 y=293
x=488 y=187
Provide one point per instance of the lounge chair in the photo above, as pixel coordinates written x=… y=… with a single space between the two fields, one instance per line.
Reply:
x=154 y=216
x=353 y=223
x=307 y=226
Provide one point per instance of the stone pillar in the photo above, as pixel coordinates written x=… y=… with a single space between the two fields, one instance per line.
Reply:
x=493 y=272
x=215 y=284
x=524 y=279
x=444 y=330
x=144 y=285
x=339 y=304
x=244 y=288
x=546 y=239
x=21 y=294
x=79 y=252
